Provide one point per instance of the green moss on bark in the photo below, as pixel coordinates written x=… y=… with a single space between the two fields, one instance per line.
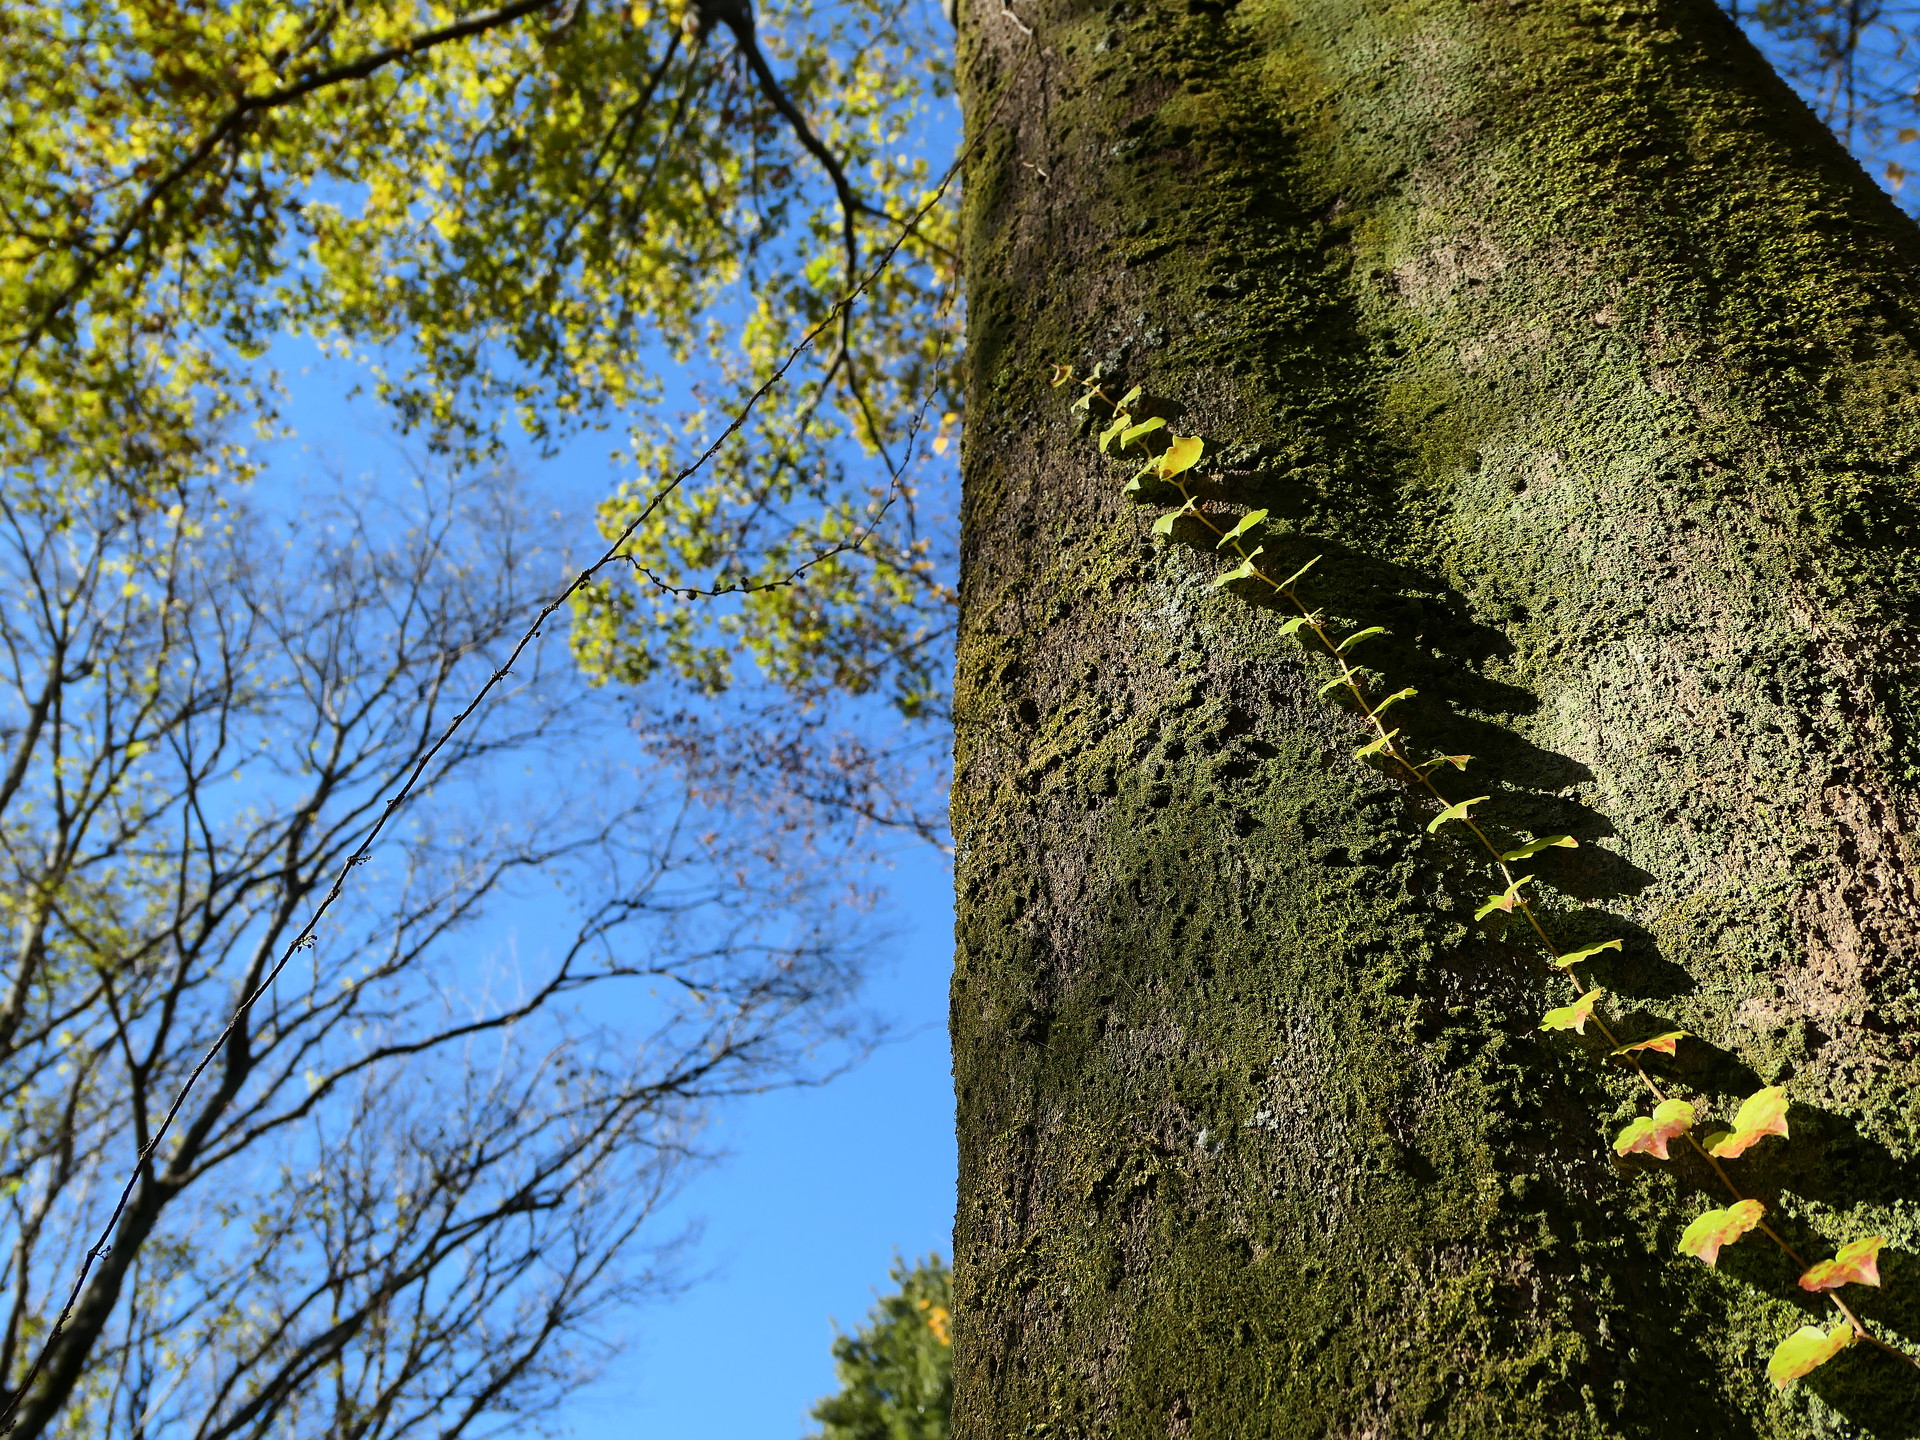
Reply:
x=1589 y=361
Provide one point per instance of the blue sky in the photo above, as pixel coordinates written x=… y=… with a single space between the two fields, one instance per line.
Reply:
x=816 y=1189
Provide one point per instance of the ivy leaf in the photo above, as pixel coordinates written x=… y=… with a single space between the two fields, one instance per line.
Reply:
x=1334 y=684
x=1374 y=747
x=1406 y=694
x=1650 y=1133
x=1247 y=522
x=1762 y=1113
x=1573 y=1017
x=1459 y=762
x=1354 y=639
x=1856 y=1264
x=1578 y=956
x=1505 y=901
x=1061 y=374
x=1663 y=1043
x=1127 y=399
x=1085 y=402
x=1534 y=847
x=1145 y=427
x=1806 y=1350
x=1243 y=571
x=1287 y=584
x=1164 y=525
x=1452 y=812
x=1181 y=456
x=1120 y=422
x=1292 y=626
x=1705 y=1236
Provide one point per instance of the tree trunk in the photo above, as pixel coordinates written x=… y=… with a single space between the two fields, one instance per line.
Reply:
x=1591 y=364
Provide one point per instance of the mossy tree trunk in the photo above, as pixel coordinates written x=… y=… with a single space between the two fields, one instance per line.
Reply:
x=1591 y=364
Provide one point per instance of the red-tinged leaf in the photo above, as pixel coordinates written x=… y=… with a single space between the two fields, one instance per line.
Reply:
x=1573 y=1017
x=1806 y=1350
x=1856 y=1264
x=1374 y=747
x=1705 y=1236
x=1764 y=1111
x=1650 y=1133
x=1761 y=1114
x=1663 y=1043
x=1061 y=374
x=1504 y=901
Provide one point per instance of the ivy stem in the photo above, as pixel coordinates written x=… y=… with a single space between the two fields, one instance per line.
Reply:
x=1389 y=745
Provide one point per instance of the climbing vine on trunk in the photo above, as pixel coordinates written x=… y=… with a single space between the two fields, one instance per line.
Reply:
x=1169 y=462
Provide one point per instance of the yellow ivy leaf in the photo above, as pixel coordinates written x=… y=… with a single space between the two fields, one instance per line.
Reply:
x=1121 y=421
x=1573 y=1017
x=1761 y=1114
x=1181 y=456
x=1705 y=1236
x=1856 y=1264
x=1061 y=374
x=1134 y=432
x=1806 y=1350
x=1650 y=1133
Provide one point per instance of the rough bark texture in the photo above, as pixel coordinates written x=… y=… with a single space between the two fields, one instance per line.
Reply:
x=1592 y=365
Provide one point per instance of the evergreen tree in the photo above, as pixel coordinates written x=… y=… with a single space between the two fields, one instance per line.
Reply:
x=896 y=1371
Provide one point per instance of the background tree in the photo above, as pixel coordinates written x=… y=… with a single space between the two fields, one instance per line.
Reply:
x=1583 y=355
x=422 y=1173
x=896 y=1371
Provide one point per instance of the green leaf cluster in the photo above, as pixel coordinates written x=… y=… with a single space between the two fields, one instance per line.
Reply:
x=896 y=1371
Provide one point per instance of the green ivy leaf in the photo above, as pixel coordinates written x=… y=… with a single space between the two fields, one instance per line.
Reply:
x=1398 y=695
x=1119 y=424
x=1376 y=746
x=1126 y=400
x=1243 y=571
x=1452 y=812
x=1534 y=847
x=1359 y=635
x=1587 y=954
x=1287 y=584
x=1247 y=522
x=1145 y=427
